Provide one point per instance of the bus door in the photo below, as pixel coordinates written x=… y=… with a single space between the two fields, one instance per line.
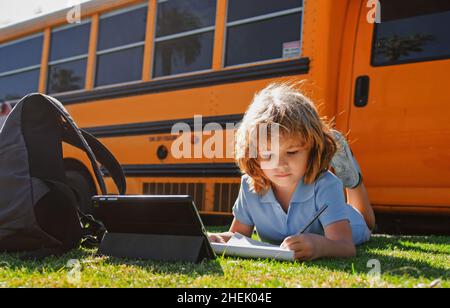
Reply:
x=399 y=118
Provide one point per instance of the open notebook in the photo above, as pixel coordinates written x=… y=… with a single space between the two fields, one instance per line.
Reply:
x=242 y=246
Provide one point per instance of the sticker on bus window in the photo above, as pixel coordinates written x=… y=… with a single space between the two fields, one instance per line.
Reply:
x=291 y=49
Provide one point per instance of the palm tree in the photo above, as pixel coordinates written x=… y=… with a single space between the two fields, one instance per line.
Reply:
x=63 y=80
x=395 y=47
x=188 y=48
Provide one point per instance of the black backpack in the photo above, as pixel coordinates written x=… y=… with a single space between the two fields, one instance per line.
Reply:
x=38 y=210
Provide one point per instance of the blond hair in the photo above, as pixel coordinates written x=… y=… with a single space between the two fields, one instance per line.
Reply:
x=283 y=105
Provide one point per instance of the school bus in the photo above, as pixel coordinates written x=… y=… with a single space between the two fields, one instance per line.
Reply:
x=127 y=71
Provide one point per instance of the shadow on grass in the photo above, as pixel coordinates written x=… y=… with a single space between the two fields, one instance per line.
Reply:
x=416 y=260
x=14 y=261
x=55 y=264
x=193 y=270
x=381 y=249
x=412 y=243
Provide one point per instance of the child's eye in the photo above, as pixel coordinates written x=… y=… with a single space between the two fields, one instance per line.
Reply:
x=292 y=152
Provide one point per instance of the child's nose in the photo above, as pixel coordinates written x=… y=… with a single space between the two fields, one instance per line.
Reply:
x=275 y=162
x=282 y=162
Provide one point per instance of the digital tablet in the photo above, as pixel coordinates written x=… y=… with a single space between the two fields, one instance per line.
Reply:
x=154 y=215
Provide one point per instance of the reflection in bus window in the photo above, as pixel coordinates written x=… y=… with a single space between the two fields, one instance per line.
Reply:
x=68 y=76
x=192 y=53
x=272 y=34
x=70 y=42
x=121 y=46
x=16 y=86
x=20 y=54
x=122 y=28
x=264 y=32
x=239 y=9
x=120 y=67
x=68 y=58
x=20 y=63
x=410 y=33
x=177 y=16
x=185 y=36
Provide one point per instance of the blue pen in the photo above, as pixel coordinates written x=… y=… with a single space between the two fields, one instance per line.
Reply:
x=316 y=216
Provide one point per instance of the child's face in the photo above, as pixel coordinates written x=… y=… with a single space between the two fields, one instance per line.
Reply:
x=287 y=167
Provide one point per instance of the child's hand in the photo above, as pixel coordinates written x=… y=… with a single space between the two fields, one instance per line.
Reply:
x=215 y=238
x=305 y=246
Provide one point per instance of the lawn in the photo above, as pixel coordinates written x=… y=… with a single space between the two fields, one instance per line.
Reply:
x=405 y=261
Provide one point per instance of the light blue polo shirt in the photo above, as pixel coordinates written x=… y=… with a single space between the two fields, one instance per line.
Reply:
x=274 y=225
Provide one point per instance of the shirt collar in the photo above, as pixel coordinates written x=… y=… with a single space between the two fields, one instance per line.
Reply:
x=302 y=193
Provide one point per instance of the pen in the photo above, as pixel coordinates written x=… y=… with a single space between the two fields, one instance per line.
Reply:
x=316 y=216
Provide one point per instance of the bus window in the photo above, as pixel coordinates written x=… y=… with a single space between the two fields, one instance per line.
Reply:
x=263 y=29
x=411 y=32
x=68 y=58
x=184 y=36
x=238 y=9
x=20 y=63
x=120 y=47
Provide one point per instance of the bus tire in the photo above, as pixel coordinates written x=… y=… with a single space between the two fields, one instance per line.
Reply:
x=82 y=185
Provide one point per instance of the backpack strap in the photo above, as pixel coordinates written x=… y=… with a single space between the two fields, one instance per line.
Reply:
x=102 y=155
x=107 y=160
x=92 y=147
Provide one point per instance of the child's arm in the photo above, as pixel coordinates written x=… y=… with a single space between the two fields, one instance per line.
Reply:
x=337 y=242
x=236 y=226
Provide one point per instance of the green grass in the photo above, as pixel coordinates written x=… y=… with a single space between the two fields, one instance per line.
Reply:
x=405 y=262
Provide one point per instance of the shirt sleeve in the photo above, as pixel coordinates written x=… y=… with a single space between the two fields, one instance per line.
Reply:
x=330 y=191
x=241 y=209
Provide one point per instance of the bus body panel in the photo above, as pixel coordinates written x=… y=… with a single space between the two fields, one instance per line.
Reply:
x=401 y=138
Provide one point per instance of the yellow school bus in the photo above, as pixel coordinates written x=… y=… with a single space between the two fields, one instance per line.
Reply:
x=129 y=70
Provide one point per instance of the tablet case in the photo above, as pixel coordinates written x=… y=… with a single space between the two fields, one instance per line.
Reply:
x=160 y=228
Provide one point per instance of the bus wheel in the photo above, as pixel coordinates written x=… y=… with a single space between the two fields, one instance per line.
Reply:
x=82 y=185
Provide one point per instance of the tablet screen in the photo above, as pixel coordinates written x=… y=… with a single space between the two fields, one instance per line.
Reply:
x=172 y=215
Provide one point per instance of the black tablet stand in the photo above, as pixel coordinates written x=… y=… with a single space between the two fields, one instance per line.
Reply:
x=156 y=247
